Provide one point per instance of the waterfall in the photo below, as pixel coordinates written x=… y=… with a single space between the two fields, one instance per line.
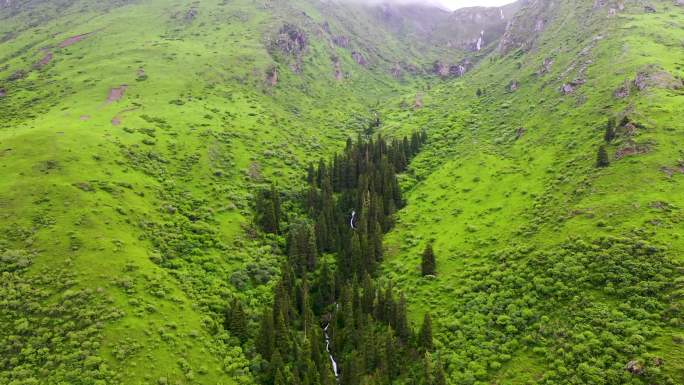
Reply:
x=327 y=349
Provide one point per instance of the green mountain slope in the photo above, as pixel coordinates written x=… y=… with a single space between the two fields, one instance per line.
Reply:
x=537 y=248
x=133 y=136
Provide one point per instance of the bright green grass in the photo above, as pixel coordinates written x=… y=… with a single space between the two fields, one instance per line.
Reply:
x=475 y=189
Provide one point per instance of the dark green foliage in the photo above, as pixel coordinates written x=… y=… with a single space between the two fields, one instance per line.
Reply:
x=513 y=303
x=610 y=131
x=236 y=321
x=265 y=343
x=602 y=157
x=370 y=336
x=439 y=375
x=425 y=334
x=428 y=264
x=267 y=211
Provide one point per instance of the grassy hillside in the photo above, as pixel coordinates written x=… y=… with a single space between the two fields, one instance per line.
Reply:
x=133 y=136
x=549 y=267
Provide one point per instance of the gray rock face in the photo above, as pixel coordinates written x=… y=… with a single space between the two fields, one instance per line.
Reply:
x=622 y=92
x=653 y=77
x=291 y=40
x=359 y=58
x=341 y=41
x=567 y=88
x=524 y=29
x=545 y=67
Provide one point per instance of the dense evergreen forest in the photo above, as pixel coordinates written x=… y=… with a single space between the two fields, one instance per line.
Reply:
x=330 y=320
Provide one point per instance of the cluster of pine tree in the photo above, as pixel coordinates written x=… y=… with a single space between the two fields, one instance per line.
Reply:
x=323 y=307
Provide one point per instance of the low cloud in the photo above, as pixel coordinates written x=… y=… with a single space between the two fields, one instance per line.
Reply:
x=445 y=4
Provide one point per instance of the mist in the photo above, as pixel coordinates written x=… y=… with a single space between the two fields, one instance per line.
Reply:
x=445 y=4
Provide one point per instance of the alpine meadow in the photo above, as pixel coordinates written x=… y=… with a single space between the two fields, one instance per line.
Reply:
x=341 y=192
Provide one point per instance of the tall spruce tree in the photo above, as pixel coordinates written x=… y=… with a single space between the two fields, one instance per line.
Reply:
x=236 y=321
x=609 y=135
x=265 y=342
x=425 y=335
x=602 y=157
x=428 y=264
x=439 y=375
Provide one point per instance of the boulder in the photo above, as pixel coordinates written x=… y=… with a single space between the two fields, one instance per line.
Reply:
x=634 y=367
x=519 y=132
x=440 y=69
x=513 y=85
x=649 y=9
x=567 y=88
x=3 y=93
x=622 y=92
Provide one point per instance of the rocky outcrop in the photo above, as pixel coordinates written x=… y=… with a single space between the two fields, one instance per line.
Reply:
x=523 y=31
x=545 y=67
x=16 y=75
x=396 y=71
x=634 y=367
x=44 y=61
x=440 y=69
x=418 y=101
x=444 y=70
x=337 y=68
x=458 y=70
x=190 y=15
x=622 y=91
x=359 y=58
x=272 y=76
x=291 y=40
x=3 y=92
x=567 y=88
x=341 y=41
x=513 y=86
x=654 y=77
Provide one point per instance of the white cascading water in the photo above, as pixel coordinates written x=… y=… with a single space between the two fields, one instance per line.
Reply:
x=327 y=349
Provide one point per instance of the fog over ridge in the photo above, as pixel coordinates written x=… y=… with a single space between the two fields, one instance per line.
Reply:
x=445 y=4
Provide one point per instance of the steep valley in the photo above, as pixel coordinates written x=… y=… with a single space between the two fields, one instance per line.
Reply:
x=144 y=143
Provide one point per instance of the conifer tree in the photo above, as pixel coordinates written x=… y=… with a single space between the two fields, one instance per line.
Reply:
x=267 y=210
x=236 y=321
x=428 y=264
x=602 y=157
x=265 y=343
x=425 y=335
x=401 y=321
x=610 y=131
x=439 y=376
x=279 y=378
